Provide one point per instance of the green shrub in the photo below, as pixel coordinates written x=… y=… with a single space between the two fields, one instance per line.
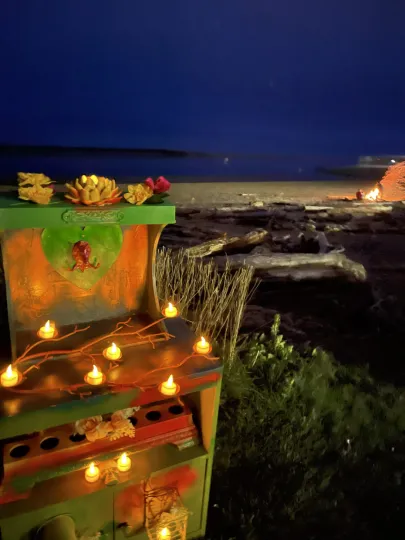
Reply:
x=296 y=429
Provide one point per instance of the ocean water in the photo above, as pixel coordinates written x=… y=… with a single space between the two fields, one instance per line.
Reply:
x=125 y=167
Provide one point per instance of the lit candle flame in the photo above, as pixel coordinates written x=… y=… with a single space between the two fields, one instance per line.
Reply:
x=170 y=306
x=113 y=348
x=170 y=381
x=9 y=372
x=164 y=533
x=202 y=341
x=124 y=458
x=92 y=468
x=95 y=374
x=47 y=326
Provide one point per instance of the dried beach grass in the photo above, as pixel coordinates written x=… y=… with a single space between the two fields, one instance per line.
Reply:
x=212 y=300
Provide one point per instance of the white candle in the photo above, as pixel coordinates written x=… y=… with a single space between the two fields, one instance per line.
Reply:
x=170 y=311
x=94 y=377
x=47 y=331
x=124 y=462
x=113 y=352
x=164 y=534
x=169 y=387
x=202 y=346
x=10 y=377
x=92 y=473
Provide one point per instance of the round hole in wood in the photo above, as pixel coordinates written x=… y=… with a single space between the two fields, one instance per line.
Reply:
x=153 y=416
x=76 y=437
x=176 y=409
x=49 y=443
x=133 y=420
x=20 y=451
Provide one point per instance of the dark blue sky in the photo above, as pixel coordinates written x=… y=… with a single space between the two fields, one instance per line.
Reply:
x=309 y=77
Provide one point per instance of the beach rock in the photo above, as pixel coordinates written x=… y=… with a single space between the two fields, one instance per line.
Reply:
x=257 y=204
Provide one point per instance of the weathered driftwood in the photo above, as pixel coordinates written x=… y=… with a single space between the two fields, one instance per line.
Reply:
x=299 y=266
x=227 y=243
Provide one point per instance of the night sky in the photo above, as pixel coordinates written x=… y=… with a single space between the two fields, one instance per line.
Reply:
x=313 y=80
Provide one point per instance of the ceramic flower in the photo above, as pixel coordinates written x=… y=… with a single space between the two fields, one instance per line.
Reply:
x=138 y=194
x=93 y=191
x=160 y=186
x=88 y=426
x=35 y=188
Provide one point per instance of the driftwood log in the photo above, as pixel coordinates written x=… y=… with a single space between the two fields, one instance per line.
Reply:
x=298 y=266
x=227 y=244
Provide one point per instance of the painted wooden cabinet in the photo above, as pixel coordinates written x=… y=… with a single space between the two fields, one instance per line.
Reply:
x=80 y=283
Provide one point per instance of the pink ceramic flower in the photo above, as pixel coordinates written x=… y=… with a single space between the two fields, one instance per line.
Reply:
x=161 y=185
x=150 y=183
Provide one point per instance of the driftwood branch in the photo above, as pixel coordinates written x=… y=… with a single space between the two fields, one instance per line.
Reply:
x=299 y=266
x=227 y=244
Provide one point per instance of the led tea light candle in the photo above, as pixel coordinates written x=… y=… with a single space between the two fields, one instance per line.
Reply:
x=94 y=377
x=48 y=331
x=124 y=463
x=164 y=534
x=170 y=311
x=169 y=387
x=92 y=473
x=10 y=377
x=113 y=352
x=202 y=346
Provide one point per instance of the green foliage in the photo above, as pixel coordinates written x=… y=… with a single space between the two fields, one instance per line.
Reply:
x=296 y=428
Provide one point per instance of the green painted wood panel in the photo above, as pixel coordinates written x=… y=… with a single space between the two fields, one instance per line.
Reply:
x=92 y=514
x=16 y=214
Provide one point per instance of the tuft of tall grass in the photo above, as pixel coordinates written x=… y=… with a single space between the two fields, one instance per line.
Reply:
x=212 y=300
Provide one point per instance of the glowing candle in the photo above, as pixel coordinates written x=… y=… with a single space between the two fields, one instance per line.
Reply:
x=170 y=311
x=164 y=534
x=10 y=377
x=202 y=346
x=124 y=462
x=94 y=377
x=113 y=352
x=47 y=331
x=169 y=387
x=92 y=473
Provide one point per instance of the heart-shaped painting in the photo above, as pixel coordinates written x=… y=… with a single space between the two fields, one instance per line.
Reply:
x=86 y=263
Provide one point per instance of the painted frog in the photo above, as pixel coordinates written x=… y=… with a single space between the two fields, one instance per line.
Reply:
x=81 y=254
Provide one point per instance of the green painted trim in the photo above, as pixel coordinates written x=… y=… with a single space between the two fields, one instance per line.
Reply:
x=211 y=453
x=16 y=214
x=65 y=413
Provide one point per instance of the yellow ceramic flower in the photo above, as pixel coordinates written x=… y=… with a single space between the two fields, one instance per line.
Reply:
x=138 y=193
x=93 y=191
x=33 y=187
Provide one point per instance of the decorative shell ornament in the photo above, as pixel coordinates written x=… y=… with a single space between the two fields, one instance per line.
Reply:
x=33 y=187
x=93 y=191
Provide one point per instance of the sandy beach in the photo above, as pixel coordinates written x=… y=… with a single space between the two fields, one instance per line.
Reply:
x=210 y=194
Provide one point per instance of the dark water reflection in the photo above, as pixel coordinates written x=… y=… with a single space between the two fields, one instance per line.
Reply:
x=124 y=166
